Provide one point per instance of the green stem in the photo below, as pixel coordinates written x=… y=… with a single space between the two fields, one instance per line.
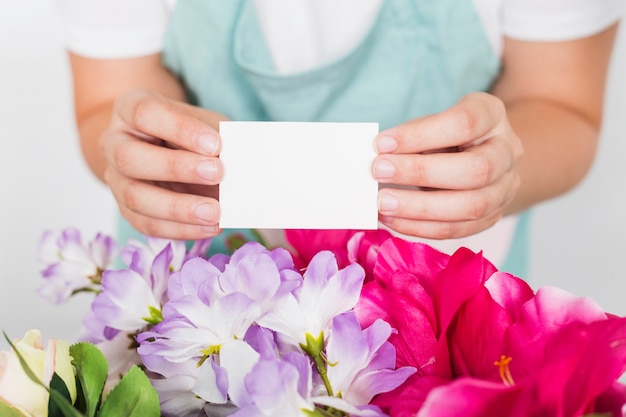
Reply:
x=329 y=413
x=320 y=364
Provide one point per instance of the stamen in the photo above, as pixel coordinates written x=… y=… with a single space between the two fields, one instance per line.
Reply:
x=207 y=352
x=505 y=372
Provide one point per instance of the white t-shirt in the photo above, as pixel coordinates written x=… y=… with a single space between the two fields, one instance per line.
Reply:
x=302 y=34
x=318 y=31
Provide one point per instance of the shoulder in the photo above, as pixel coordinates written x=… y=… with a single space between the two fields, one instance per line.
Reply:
x=113 y=28
x=558 y=20
x=545 y=21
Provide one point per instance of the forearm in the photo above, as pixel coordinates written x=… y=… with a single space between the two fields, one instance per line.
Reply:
x=554 y=94
x=559 y=148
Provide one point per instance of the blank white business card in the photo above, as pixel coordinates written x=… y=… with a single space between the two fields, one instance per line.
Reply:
x=298 y=175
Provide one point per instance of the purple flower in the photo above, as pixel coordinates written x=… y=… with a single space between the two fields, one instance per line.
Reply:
x=130 y=301
x=363 y=361
x=126 y=302
x=140 y=256
x=73 y=266
x=326 y=292
x=284 y=387
x=176 y=392
x=286 y=393
x=263 y=275
x=192 y=329
x=210 y=310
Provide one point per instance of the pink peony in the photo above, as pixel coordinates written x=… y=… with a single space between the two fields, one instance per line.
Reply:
x=485 y=344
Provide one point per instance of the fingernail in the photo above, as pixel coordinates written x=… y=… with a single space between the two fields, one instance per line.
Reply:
x=207 y=170
x=387 y=203
x=208 y=143
x=386 y=144
x=204 y=212
x=384 y=169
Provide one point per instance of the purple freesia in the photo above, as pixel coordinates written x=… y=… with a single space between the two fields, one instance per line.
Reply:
x=139 y=256
x=192 y=329
x=72 y=265
x=176 y=392
x=263 y=275
x=126 y=302
x=326 y=291
x=210 y=309
x=129 y=301
x=289 y=392
x=363 y=361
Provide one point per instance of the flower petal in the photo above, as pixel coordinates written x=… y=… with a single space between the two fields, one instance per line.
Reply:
x=238 y=358
x=212 y=383
x=469 y=397
x=410 y=312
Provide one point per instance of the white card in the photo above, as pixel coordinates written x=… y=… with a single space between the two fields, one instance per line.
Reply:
x=298 y=175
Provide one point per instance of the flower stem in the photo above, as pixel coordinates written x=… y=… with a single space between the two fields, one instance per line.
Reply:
x=320 y=364
x=314 y=347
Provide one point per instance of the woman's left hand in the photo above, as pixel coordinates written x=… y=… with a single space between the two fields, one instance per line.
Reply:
x=451 y=174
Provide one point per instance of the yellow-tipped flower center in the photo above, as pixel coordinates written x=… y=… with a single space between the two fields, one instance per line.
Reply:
x=207 y=352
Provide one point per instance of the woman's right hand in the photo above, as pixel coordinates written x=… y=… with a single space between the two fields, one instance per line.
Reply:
x=162 y=165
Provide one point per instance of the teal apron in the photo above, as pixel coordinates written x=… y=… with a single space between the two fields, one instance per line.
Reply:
x=418 y=58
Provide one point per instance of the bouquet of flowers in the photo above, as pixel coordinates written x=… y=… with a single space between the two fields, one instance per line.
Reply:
x=342 y=323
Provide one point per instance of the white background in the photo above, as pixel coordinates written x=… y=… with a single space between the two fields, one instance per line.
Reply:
x=578 y=239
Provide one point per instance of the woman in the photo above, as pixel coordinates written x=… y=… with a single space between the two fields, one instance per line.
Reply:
x=487 y=107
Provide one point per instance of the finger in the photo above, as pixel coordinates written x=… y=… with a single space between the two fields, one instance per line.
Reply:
x=142 y=160
x=439 y=230
x=473 y=168
x=168 y=229
x=446 y=205
x=473 y=118
x=150 y=201
x=158 y=117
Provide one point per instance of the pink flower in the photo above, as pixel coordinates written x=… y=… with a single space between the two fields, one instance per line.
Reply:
x=576 y=374
x=348 y=246
x=485 y=344
x=418 y=290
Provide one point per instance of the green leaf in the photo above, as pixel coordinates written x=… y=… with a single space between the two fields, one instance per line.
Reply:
x=6 y=410
x=91 y=373
x=133 y=396
x=57 y=384
x=64 y=405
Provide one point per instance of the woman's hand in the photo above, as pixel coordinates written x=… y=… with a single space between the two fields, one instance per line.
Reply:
x=451 y=174
x=162 y=165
